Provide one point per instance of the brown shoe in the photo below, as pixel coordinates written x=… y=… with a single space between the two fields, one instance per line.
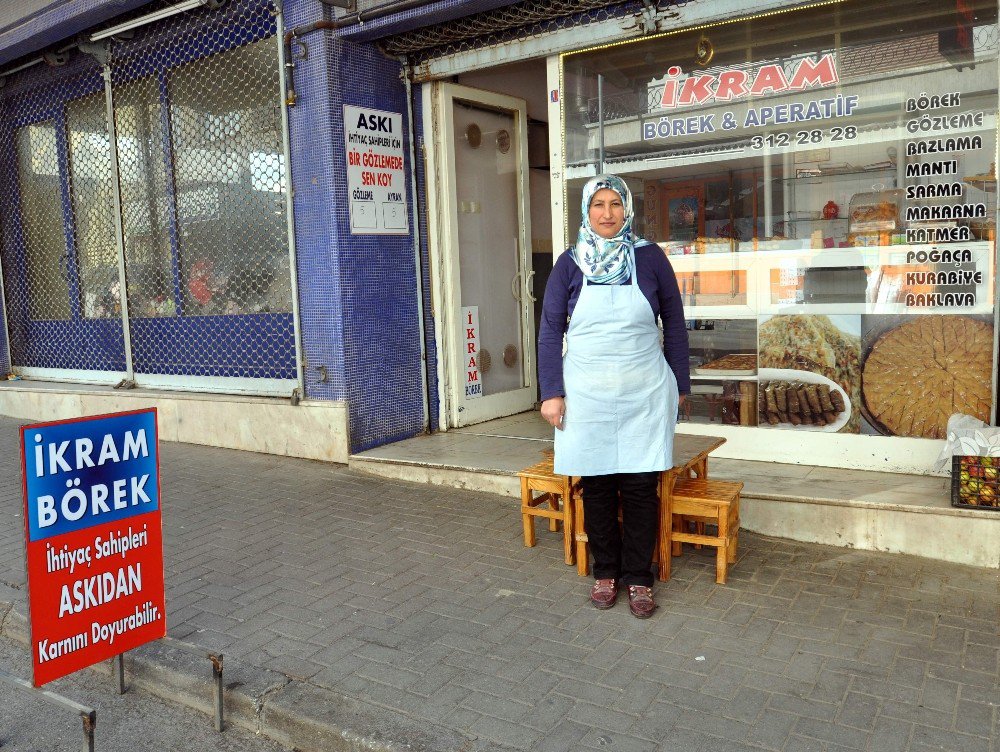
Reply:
x=604 y=593
x=640 y=601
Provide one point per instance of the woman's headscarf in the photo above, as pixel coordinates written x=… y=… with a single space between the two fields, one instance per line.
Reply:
x=605 y=260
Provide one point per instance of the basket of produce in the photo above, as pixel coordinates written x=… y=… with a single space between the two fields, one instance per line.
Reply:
x=974 y=482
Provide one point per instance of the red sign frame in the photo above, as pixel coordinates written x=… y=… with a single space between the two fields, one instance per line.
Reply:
x=93 y=539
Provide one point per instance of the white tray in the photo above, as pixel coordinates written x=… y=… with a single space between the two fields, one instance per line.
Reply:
x=807 y=377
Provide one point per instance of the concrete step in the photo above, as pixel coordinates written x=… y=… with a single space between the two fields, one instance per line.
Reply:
x=852 y=508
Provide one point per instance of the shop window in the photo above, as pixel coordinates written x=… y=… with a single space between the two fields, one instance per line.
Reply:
x=145 y=198
x=95 y=245
x=229 y=180
x=41 y=146
x=267 y=172
x=42 y=222
x=823 y=180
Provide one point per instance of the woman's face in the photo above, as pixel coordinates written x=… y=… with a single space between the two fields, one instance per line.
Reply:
x=607 y=213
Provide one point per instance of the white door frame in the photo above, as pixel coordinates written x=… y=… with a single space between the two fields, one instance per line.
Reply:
x=442 y=204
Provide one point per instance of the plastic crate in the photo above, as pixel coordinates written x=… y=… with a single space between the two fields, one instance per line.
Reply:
x=975 y=482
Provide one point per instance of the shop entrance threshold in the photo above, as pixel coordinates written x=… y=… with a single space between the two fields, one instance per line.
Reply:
x=909 y=514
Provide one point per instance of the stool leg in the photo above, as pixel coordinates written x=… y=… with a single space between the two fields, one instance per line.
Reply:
x=528 y=520
x=579 y=535
x=667 y=479
x=554 y=506
x=678 y=527
x=734 y=530
x=722 y=552
x=568 y=528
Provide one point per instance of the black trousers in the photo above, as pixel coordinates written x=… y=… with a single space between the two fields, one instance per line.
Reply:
x=624 y=552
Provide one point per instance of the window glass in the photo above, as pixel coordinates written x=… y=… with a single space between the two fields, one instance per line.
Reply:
x=145 y=208
x=229 y=177
x=42 y=222
x=93 y=206
x=828 y=176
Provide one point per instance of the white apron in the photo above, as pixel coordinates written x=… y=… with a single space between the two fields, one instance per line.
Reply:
x=621 y=396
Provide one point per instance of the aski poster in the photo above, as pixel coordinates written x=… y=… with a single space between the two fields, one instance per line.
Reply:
x=376 y=182
x=94 y=539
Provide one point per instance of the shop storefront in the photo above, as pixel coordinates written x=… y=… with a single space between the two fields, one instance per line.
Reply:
x=185 y=214
x=823 y=181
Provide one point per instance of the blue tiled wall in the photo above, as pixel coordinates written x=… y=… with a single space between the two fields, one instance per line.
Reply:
x=378 y=274
x=357 y=292
x=315 y=174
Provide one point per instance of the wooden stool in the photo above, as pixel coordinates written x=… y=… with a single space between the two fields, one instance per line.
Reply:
x=556 y=493
x=715 y=502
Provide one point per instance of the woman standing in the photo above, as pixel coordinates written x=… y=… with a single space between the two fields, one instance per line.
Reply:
x=612 y=397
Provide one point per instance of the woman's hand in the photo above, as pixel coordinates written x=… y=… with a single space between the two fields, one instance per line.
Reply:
x=553 y=410
x=681 y=399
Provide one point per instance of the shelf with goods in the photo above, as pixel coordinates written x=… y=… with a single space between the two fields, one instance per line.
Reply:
x=983 y=189
x=721 y=401
x=856 y=280
x=700 y=377
x=818 y=208
x=723 y=367
x=889 y=171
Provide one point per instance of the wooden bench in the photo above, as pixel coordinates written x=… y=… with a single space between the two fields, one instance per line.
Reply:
x=712 y=502
x=554 y=503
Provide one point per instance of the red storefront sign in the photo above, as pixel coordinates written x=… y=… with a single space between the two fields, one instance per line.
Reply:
x=93 y=539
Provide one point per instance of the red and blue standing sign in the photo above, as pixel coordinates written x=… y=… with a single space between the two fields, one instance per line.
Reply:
x=94 y=539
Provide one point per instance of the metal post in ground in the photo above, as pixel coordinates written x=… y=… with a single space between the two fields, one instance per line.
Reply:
x=87 y=714
x=216 y=660
x=217 y=663
x=120 y=672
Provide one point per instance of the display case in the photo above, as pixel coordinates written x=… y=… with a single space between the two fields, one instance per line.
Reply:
x=723 y=372
x=875 y=218
x=982 y=188
x=817 y=201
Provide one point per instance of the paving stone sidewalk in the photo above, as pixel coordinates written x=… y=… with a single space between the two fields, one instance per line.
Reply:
x=419 y=614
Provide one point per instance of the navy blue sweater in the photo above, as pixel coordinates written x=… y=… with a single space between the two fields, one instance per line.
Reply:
x=657 y=283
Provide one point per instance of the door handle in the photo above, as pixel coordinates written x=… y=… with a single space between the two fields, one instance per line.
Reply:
x=515 y=288
x=529 y=286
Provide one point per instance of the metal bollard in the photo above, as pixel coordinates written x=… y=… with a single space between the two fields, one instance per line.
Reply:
x=217 y=665
x=120 y=666
x=216 y=660
x=87 y=714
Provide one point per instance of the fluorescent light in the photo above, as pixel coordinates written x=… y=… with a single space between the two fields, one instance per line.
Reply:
x=158 y=15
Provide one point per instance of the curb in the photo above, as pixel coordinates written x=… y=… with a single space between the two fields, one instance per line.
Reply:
x=299 y=715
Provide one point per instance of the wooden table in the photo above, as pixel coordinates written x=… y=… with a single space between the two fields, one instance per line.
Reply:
x=690 y=460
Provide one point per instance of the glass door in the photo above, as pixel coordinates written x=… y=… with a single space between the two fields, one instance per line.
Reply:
x=486 y=231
